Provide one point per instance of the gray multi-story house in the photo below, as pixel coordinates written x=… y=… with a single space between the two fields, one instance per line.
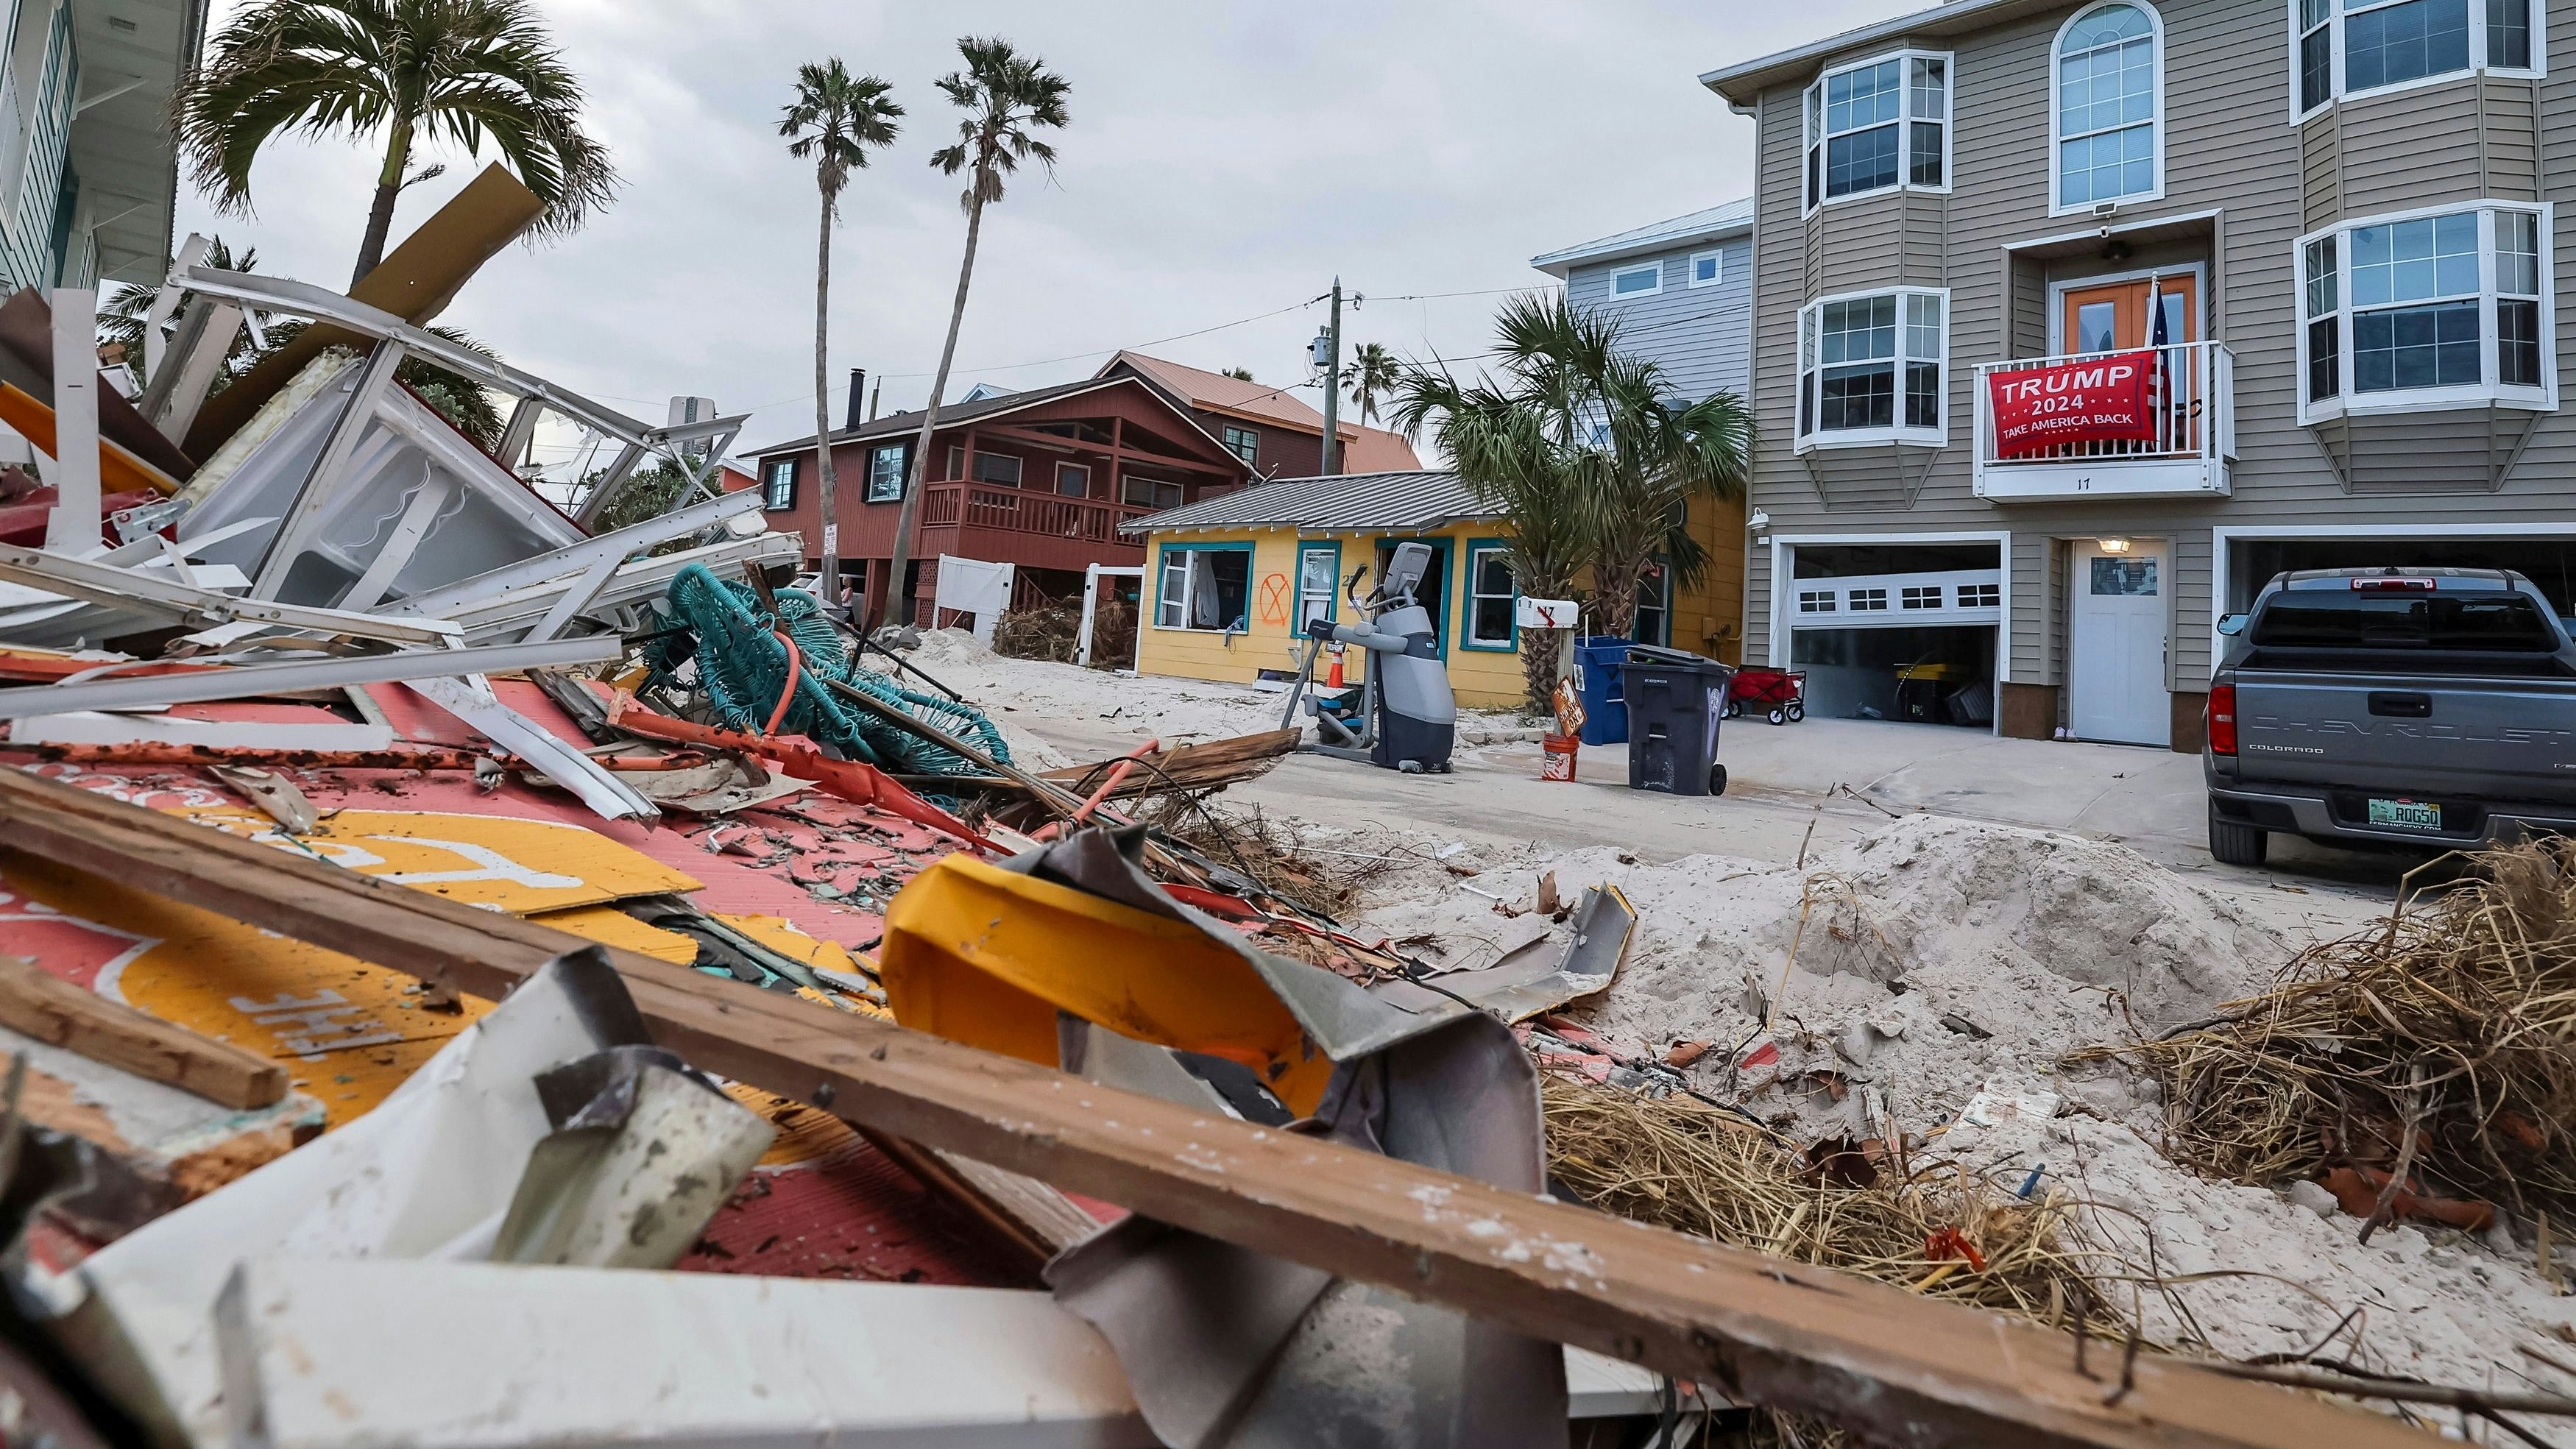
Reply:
x=1682 y=293
x=2321 y=230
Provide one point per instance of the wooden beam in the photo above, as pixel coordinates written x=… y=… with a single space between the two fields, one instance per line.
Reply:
x=1894 y=1367
x=42 y=1005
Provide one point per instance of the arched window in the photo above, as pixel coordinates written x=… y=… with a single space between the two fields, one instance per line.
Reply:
x=2108 y=106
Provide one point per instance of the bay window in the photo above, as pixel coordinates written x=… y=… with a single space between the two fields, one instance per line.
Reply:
x=2343 y=48
x=2430 y=309
x=2109 y=107
x=1878 y=125
x=1872 y=368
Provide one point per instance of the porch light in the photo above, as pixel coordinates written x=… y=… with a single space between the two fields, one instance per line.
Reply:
x=2113 y=545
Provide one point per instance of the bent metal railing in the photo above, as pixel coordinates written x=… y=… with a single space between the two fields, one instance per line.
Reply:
x=2193 y=414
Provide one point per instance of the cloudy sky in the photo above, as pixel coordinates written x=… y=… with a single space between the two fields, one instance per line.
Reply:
x=1225 y=161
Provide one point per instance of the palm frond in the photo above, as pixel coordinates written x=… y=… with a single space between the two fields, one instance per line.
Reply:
x=455 y=71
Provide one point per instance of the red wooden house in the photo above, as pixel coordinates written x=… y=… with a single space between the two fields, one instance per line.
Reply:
x=1041 y=479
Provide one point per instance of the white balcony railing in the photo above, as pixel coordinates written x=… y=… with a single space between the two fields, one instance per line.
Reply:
x=2195 y=437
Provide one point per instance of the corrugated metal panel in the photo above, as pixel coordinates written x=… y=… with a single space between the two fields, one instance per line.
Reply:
x=1350 y=503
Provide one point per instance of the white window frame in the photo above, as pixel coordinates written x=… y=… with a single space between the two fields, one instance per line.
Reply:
x=2336 y=90
x=903 y=473
x=1811 y=119
x=2057 y=205
x=1468 y=638
x=1811 y=372
x=1631 y=269
x=1183 y=554
x=2487 y=390
x=1313 y=604
x=1717 y=273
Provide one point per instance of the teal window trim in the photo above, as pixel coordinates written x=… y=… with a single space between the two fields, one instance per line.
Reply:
x=1162 y=571
x=1446 y=549
x=1467 y=600
x=1333 y=595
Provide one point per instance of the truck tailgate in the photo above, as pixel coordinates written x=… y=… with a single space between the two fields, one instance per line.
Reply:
x=2469 y=738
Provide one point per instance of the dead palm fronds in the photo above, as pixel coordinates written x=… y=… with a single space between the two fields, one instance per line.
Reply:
x=2451 y=1023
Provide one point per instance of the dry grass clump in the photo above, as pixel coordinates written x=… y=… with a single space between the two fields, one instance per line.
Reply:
x=1269 y=852
x=1681 y=1163
x=2452 y=1023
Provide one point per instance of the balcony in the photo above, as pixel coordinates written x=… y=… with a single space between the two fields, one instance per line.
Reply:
x=2194 y=442
x=1013 y=510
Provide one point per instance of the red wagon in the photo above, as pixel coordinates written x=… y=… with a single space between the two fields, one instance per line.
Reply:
x=1782 y=692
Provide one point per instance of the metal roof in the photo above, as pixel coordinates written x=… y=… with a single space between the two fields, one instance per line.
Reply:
x=1348 y=503
x=1732 y=219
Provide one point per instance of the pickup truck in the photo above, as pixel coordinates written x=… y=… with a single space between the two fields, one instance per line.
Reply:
x=2430 y=707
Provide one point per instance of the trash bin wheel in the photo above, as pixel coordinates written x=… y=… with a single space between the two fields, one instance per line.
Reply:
x=1797 y=712
x=1734 y=709
x=1779 y=716
x=1717 y=779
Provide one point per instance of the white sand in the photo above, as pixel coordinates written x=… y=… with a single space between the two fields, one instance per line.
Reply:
x=1100 y=701
x=2047 y=942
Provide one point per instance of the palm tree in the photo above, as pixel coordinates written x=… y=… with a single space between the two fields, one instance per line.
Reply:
x=1006 y=97
x=456 y=70
x=121 y=313
x=1586 y=456
x=1372 y=374
x=1239 y=374
x=834 y=119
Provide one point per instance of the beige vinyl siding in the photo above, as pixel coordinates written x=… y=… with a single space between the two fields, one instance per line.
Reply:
x=2231 y=149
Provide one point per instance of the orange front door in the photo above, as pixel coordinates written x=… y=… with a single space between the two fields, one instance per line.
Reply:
x=2114 y=315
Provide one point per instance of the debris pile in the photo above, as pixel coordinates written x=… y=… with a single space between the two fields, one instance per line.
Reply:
x=1052 y=632
x=2423 y=1067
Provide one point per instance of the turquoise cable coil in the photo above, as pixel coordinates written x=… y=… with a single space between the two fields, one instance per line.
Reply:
x=742 y=668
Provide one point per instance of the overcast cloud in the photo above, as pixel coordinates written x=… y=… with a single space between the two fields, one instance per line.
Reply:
x=1224 y=161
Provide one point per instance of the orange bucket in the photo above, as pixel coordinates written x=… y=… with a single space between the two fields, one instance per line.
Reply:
x=1558 y=762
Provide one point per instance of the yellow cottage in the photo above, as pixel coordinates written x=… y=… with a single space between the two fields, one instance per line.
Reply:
x=1230 y=581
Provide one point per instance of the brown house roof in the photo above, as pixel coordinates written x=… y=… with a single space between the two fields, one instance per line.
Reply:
x=1364 y=450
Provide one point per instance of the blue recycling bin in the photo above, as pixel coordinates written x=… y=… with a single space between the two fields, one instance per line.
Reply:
x=1597 y=663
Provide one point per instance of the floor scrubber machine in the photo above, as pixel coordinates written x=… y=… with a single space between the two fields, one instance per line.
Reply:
x=1402 y=717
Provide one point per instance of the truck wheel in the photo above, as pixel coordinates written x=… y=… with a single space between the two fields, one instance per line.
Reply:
x=2234 y=844
x=1717 y=779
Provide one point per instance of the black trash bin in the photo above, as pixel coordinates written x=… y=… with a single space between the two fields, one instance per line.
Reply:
x=1675 y=700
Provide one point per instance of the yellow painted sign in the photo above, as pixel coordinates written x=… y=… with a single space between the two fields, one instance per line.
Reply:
x=519 y=866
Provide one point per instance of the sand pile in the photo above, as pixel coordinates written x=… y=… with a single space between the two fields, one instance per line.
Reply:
x=1942 y=970
x=1934 y=958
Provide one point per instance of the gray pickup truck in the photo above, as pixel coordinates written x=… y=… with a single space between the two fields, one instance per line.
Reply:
x=2422 y=706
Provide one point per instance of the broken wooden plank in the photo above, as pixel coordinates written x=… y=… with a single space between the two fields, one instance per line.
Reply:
x=1892 y=1366
x=52 y=1010
x=1206 y=765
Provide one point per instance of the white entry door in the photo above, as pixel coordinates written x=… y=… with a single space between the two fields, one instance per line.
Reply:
x=2117 y=643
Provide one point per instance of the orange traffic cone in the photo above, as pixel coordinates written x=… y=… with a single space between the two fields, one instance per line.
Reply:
x=1333 y=676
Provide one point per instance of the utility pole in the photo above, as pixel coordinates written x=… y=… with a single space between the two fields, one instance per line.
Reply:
x=1331 y=347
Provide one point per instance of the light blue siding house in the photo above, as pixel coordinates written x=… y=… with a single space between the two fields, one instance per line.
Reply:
x=88 y=167
x=1682 y=289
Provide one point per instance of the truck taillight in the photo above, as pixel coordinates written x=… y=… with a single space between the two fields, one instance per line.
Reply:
x=2222 y=719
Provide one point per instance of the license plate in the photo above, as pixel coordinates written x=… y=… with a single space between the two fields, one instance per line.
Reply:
x=2406 y=814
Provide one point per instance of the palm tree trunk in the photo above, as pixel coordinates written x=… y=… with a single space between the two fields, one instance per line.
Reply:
x=1614 y=594
x=1540 y=653
x=930 y=419
x=827 y=499
x=380 y=216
